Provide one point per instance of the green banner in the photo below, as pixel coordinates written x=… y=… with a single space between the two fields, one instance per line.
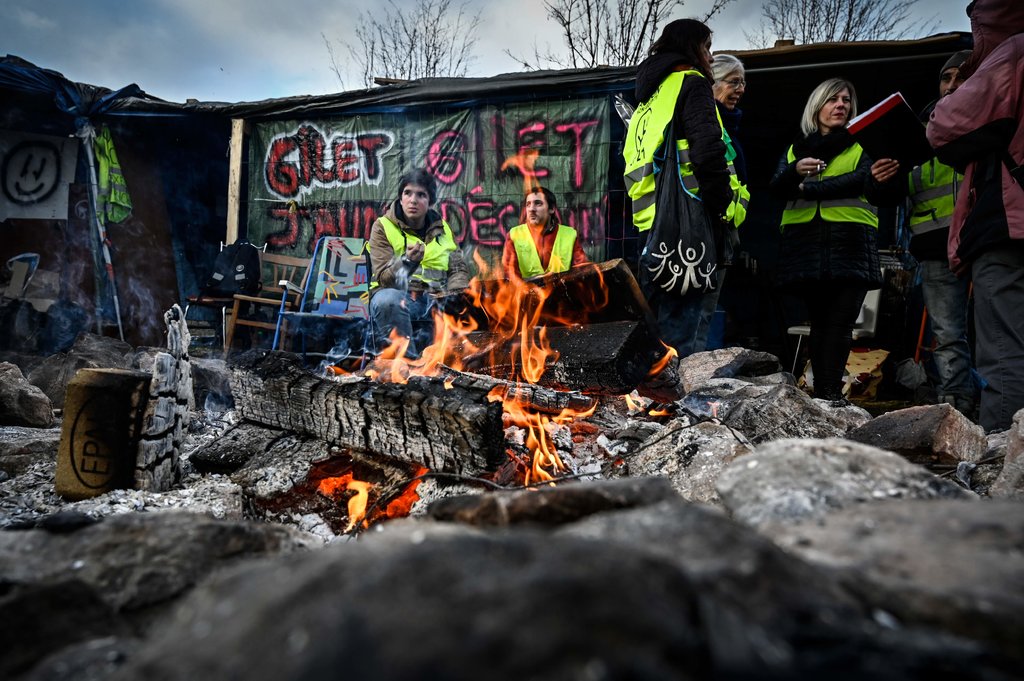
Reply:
x=334 y=176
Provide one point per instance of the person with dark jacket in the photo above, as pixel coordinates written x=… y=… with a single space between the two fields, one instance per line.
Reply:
x=931 y=189
x=674 y=85
x=979 y=129
x=829 y=251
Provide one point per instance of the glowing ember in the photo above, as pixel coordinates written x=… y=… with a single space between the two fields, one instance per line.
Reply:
x=631 y=404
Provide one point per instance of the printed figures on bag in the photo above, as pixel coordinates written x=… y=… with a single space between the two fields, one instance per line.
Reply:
x=689 y=269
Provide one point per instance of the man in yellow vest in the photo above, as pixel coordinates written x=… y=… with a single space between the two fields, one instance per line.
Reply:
x=414 y=261
x=931 y=188
x=541 y=245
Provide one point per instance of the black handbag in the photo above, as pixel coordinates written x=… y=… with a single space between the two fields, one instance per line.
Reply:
x=680 y=255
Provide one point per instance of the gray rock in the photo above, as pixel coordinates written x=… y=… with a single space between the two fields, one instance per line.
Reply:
x=935 y=433
x=791 y=480
x=21 y=403
x=788 y=412
x=690 y=456
x=22 y=447
x=1010 y=482
x=952 y=565
x=700 y=367
x=89 y=352
x=107 y=577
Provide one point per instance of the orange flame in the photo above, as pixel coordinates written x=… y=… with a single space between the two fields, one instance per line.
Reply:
x=660 y=365
x=515 y=338
x=357 y=504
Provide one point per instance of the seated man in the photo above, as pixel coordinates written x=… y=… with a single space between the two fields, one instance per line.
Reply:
x=414 y=260
x=541 y=246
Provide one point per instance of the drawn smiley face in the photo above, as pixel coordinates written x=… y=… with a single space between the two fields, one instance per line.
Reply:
x=30 y=172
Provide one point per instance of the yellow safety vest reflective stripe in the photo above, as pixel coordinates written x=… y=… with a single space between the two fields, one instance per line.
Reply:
x=529 y=257
x=932 y=190
x=856 y=210
x=114 y=203
x=644 y=139
x=433 y=269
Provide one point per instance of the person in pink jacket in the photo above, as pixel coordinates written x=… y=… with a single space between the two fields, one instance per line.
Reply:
x=979 y=129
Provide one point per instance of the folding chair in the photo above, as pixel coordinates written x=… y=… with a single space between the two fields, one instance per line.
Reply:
x=334 y=299
x=261 y=311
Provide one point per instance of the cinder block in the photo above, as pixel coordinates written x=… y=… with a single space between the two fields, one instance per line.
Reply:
x=102 y=423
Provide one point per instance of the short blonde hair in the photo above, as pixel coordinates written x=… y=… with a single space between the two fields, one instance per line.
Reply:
x=821 y=94
x=724 y=64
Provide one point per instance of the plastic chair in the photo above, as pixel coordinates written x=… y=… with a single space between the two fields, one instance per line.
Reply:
x=335 y=293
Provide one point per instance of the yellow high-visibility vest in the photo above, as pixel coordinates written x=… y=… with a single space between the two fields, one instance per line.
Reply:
x=529 y=257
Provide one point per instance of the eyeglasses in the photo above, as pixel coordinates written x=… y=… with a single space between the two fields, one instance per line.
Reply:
x=735 y=83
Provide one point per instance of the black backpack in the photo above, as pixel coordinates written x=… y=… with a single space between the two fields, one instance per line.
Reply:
x=236 y=270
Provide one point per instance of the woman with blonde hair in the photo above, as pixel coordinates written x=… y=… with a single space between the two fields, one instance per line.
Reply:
x=829 y=254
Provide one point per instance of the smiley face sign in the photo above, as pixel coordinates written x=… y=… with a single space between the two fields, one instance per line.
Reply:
x=31 y=171
x=35 y=173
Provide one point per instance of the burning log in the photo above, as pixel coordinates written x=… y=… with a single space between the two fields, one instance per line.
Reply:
x=531 y=396
x=609 y=358
x=448 y=426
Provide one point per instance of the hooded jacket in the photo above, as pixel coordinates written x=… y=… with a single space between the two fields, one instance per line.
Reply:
x=973 y=128
x=697 y=122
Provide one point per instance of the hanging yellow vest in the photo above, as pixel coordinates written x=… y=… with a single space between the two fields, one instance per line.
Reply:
x=856 y=210
x=529 y=258
x=433 y=269
x=114 y=203
x=933 y=187
x=644 y=139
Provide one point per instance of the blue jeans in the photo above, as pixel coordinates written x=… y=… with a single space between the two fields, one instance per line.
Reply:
x=999 y=323
x=945 y=295
x=394 y=310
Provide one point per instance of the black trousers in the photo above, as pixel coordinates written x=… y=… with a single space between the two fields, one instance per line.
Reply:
x=833 y=307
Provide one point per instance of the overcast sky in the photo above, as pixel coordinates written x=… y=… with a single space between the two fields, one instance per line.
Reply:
x=246 y=50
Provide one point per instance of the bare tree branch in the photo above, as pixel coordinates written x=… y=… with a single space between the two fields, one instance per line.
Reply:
x=605 y=32
x=823 y=21
x=434 y=39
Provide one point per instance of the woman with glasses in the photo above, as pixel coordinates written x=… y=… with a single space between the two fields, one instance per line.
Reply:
x=829 y=254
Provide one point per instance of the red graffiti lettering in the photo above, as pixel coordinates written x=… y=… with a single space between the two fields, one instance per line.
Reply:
x=531 y=136
x=483 y=225
x=353 y=159
x=454 y=213
x=444 y=157
x=577 y=131
x=288 y=238
x=282 y=177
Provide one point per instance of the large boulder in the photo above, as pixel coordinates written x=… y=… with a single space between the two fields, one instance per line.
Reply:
x=793 y=480
x=21 y=403
x=89 y=351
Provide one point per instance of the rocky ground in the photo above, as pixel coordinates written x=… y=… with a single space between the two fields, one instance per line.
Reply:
x=750 y=533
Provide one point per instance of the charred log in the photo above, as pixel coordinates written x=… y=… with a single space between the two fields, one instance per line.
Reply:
x=452 y=428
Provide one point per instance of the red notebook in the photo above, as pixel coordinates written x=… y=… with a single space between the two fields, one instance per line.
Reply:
x=891 y=129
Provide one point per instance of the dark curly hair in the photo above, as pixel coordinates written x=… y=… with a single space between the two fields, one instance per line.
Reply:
x=422 y=178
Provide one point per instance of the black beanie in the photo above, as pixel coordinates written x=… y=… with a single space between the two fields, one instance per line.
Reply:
x=956 y=61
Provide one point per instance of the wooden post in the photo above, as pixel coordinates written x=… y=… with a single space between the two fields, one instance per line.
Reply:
x=238 y=130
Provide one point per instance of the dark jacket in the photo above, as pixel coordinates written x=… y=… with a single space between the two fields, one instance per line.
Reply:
x=819 y=250
x=695 y=120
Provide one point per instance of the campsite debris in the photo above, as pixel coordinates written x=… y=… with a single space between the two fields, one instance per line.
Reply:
x=927 y=434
